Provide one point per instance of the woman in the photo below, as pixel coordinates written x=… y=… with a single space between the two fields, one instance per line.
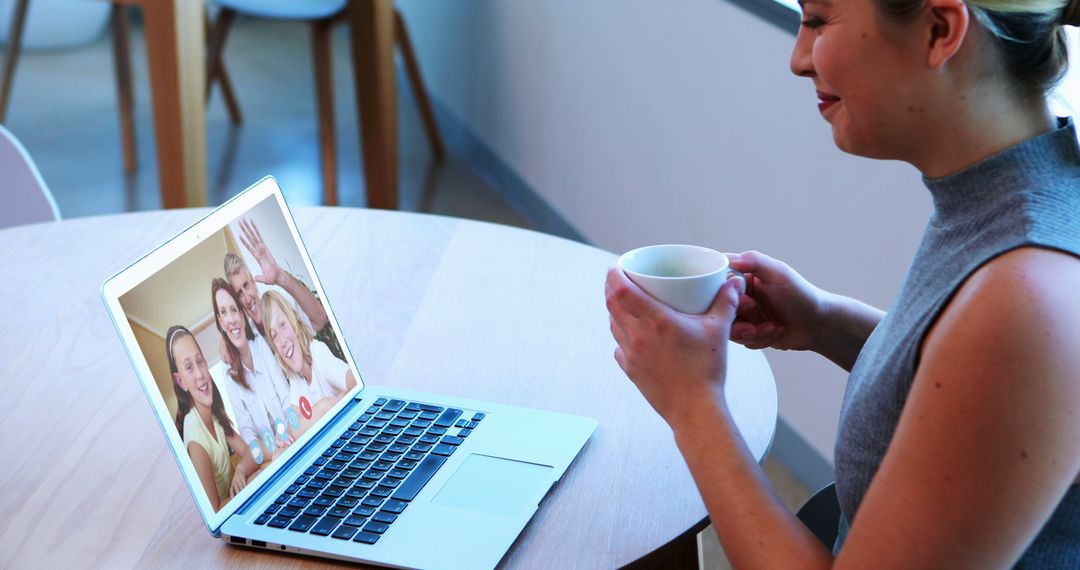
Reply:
x=201 y=420
x=958 y=441
x=317 y=378
x=257 y=389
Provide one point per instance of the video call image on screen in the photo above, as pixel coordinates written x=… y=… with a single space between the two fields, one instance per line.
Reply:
x=240 y=348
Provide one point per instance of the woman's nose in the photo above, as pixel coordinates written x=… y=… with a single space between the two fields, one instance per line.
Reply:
x=802 y=63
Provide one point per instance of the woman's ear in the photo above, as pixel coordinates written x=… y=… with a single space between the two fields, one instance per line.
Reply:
x=179 y=381
x=949 y=23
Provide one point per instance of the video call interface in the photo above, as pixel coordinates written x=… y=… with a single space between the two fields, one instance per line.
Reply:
x=240 y=347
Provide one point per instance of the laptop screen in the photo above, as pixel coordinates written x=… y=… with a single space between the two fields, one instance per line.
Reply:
x=243 y=352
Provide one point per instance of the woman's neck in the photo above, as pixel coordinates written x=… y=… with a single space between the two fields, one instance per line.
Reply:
x=306 y=372
x=245 y=356
x=207 y=416
x=982 y=123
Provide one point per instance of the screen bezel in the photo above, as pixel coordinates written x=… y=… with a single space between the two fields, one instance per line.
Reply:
x=136 y=273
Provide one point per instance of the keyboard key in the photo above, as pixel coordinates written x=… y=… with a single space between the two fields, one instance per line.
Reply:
x=262 y=519
x=427 y=416
x=354 y=494
x=329 y=452
x=429 y=438
x=376 y=527
x=394 y=506
x=407 y=463
x=376 y=424
x=391 y=483
x=443 y=449
x=380 y=491
x=461 y=423
x=334 y=492
x=464 y=433
x=413 y=432
x=472 y=424
x=298 y=502
x=394 y=405
x=273 y=508
x=448 y=418
x=284 y=498
x=324 y=501
x=414 y=455
x=325 y=526
x=288 y=512
x=325 y=475
x=422 y=447
x=406 y=440
x=368 y=432
x=373 y=474
x=399 y=423
x=393 y=431
x=340 y=512
x=451 y=440
x=397 y=474
x=408 y=414
x=430 y=408
x=364 y=511
x=303 y=524
x=368 y=456
x=356 y=425
x=306 y=493
x=376 y=447
x=384 y=415
x=335 y=465
x=364 y=484
x=340 y=442
x=384 y=517
x=356 y=520
x=366 y=537
x=361 y=439
x=436 y=431
x=351 y=473
x=382 y=465
x=280 y=522
x=373 y=502
x=398 y=448
x=419 y=477
x=315 y=511
x=345 y=532
x=478 y=416
x=384 y=438
x=413 y=407
x=352 y=448
x=311 y=470
x=321 y=461
x=348 y=501
x=317 y=484
x=380 y=402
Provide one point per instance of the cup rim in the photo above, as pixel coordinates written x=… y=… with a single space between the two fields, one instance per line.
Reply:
x=622 y=261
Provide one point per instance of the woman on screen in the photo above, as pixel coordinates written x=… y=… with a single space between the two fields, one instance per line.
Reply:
x=200 y=417
x=317 y=378
x=257 y=388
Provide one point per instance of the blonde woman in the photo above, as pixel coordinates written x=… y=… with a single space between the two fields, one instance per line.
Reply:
x=958 y=443
x=317 y=378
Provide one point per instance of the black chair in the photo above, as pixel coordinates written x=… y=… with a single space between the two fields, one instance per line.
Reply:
x=821 y=514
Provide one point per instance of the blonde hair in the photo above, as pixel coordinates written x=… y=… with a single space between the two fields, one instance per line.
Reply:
x=303 y=335
x=1028 y=34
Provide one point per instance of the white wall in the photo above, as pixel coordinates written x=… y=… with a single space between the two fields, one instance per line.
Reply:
x=644 y=121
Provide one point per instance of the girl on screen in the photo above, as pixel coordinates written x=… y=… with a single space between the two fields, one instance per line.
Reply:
x=257 y=388
x=317 y=378
x=201 y=420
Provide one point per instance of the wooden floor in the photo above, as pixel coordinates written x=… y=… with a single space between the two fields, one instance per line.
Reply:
x=63 y=109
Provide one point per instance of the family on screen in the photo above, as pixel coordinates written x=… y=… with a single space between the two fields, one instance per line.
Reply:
x=285 y=371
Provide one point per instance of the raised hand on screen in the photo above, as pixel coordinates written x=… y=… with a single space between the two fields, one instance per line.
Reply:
x=270 y=272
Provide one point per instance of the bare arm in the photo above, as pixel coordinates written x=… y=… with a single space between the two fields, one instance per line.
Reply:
x=246 y=468
x=273 y=274
x=204 y=468
x=983 y=453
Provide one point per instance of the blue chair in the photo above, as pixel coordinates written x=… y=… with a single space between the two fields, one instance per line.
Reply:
x=27 y=199
x=821 y=514
x=323 y=15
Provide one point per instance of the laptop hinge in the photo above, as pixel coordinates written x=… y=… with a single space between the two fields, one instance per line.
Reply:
x=287 y=467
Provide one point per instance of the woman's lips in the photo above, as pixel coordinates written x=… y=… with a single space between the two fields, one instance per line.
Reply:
x=204 y=388
x=826 y=100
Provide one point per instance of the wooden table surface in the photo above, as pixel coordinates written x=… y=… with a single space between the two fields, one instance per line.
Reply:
x=438 y=304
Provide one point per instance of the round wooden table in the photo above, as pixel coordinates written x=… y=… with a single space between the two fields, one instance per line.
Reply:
x=437 y=304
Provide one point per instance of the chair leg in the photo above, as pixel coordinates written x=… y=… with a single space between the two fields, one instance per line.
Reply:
x=412 y=69
x=324 y=96
x=125 y=94
x=11 y=53
x=215 y=67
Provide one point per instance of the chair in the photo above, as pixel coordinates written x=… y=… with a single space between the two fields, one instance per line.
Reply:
x=121 y=31
x=323 y=15
x=27 y=199
x=821 y=514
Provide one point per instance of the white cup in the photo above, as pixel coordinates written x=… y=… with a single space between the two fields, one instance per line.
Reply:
x=683 y=277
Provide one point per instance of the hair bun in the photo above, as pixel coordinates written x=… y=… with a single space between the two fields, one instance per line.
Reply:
x=1070 y=14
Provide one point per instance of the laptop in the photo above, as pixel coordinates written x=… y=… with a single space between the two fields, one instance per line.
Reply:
x=281 y=442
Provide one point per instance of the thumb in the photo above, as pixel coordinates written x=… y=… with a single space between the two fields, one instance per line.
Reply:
x=726 y=303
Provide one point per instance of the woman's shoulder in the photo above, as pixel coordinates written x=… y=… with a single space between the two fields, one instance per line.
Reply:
x=192 y=427
x=1024 y=300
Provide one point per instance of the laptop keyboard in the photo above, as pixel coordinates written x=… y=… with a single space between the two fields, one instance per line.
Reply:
x=371 y=472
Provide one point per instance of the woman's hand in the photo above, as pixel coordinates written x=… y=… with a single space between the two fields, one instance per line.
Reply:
x=677 y=361
x=780 y=310
x=239 y=481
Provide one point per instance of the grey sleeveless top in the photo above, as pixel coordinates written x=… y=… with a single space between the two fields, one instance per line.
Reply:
x=1028 y=195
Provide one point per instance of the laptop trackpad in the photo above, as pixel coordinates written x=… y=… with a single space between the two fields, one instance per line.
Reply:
x=494 y=485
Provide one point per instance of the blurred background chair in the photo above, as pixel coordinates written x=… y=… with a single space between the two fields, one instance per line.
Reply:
x=821 y=514
x=323 y=15
x=27 y=199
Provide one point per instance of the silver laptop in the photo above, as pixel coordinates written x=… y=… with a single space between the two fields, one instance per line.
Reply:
x=282 y=444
